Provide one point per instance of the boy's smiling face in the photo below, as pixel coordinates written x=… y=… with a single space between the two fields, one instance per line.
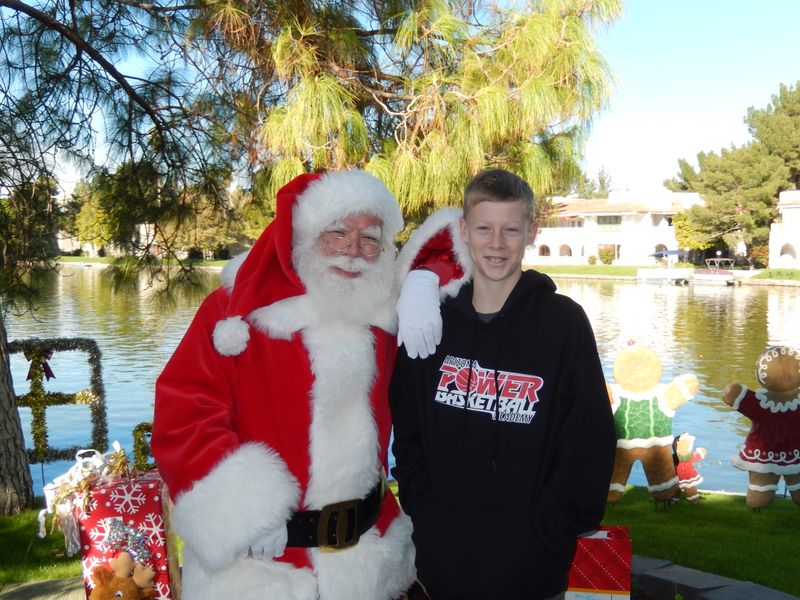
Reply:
x=497 y=234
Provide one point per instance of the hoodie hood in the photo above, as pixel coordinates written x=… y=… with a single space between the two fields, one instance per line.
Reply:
x=530 y=282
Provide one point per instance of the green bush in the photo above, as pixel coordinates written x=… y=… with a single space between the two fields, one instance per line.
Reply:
x=195 y=254
x=221 y=252
x=592 y=260
x=607 y=254
x=759 y=256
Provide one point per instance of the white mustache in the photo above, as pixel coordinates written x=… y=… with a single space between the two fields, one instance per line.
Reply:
x=354 y=265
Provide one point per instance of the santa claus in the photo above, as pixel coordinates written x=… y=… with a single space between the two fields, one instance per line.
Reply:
x=272 y=422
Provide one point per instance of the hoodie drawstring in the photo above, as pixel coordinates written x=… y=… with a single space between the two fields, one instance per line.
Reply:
x=496 y=424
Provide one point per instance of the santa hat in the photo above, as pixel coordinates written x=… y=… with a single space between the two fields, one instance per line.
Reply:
x=304 y=208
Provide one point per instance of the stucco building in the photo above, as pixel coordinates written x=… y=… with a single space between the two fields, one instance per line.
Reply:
x=784 y=235
x=632 y=225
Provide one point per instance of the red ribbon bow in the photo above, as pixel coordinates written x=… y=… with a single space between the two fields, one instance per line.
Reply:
x=46 y=355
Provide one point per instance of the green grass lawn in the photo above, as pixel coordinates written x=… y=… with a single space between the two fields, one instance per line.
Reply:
x=720 y=535
x=588 y=270
x=25 y=557
x=791 y=274
x=616 y=271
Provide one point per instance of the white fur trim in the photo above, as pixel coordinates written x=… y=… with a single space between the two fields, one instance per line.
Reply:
x=441 y=219
x=377 y=568
x=617 y=487
x=246 y=579
x=339 y=194
x=231 y=336
x=343 y=363
x=218 y=521
x=385 y=317
x=282 y=319
x=228 y=274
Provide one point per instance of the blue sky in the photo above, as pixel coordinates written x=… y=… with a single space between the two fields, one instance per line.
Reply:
x=686 y=72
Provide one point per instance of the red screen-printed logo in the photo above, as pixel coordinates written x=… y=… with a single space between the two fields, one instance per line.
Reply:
x=509 y=396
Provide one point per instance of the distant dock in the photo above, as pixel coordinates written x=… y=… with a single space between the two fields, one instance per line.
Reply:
x=677 y=276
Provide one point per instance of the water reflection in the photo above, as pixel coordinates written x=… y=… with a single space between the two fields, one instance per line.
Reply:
x=136 y=333
x=715 y=332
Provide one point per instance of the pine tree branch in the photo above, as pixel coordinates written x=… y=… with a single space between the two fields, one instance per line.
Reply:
x=83 y=46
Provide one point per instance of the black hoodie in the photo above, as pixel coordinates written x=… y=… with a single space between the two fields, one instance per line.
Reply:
x=499 y=487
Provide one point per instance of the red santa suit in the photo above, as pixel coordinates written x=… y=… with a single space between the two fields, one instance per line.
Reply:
x=268 y=407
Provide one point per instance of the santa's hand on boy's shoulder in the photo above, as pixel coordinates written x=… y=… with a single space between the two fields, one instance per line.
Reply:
x=419 y=320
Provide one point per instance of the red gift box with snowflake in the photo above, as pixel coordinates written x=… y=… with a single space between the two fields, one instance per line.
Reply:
x=601 y=568
x=125 y=515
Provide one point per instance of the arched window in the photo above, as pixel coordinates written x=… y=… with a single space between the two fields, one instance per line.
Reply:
x=788 y=250
x=544 y=250
x=565 y=251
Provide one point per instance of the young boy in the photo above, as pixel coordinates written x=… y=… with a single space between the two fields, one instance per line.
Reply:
x=503 y=437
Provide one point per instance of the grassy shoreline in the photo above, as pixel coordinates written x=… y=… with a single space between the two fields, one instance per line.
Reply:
x=588 y=271
x=611 y=271
x=720 y=535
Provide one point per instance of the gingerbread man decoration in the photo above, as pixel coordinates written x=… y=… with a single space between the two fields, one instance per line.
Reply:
x=643 y=409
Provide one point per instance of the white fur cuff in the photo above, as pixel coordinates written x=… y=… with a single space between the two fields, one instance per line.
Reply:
x=445 y=218
x=249 y=493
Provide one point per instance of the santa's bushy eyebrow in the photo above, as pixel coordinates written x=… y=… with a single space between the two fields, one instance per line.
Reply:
x=339 y=227
x=372 y=231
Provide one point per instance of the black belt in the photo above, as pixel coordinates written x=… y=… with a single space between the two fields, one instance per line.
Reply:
x=336 y=526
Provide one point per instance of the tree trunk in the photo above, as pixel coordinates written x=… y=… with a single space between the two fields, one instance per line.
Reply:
x=16 y=485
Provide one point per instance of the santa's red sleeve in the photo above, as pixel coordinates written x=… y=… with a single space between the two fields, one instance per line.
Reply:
x=200 y=457
x=437 y=246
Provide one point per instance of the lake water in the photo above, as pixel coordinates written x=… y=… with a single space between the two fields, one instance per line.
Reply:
x=715 y=332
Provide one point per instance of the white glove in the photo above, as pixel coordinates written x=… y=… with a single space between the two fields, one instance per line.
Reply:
x=272 y=544
x=420 y=322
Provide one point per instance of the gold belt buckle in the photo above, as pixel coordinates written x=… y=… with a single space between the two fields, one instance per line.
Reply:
x=341 y=510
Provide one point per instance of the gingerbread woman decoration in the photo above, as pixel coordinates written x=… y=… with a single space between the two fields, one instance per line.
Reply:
x=772 y=447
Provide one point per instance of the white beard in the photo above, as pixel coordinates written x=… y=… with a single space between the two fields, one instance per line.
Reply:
x=339 y=298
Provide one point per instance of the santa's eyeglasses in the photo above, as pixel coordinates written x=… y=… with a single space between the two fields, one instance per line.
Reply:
x=369 y=247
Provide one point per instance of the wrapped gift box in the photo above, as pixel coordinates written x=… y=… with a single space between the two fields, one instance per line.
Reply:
x=137 y=504
x=601 y=568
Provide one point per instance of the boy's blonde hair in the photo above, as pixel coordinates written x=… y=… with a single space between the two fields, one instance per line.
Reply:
x=499 y=185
